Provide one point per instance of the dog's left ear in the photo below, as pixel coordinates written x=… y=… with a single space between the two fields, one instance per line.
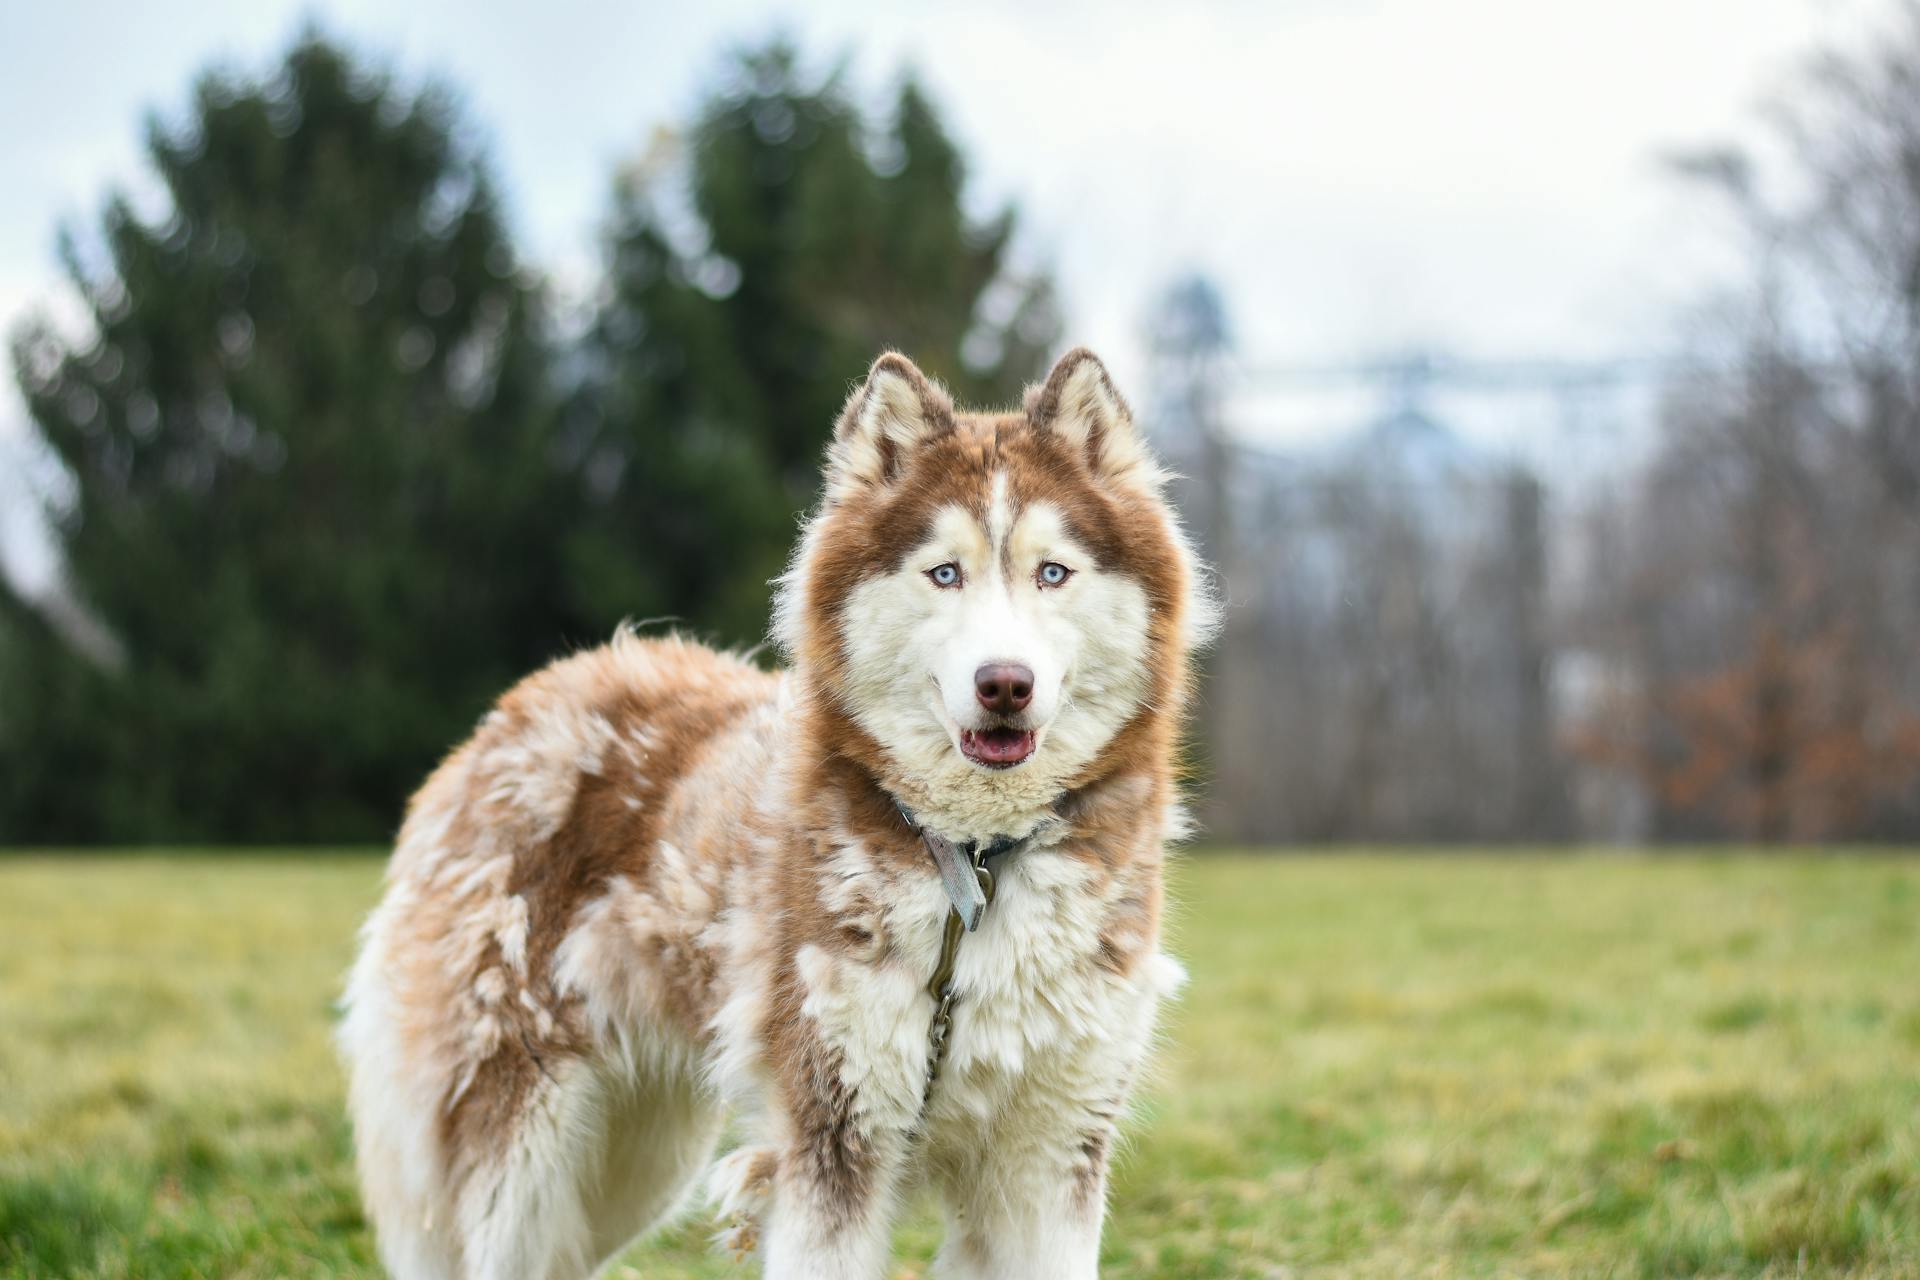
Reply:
x=895 y=409
x=1079 y=403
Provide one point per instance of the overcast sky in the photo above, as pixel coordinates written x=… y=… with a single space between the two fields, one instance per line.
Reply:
x=1362 y=176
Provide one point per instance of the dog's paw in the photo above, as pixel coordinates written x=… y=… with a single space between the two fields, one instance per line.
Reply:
x=740 y=1187
x=740 y=1237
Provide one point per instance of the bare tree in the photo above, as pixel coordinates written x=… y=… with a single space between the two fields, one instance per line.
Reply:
x=1768 y=606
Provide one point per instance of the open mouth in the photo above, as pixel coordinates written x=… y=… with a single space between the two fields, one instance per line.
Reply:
x=996 y=748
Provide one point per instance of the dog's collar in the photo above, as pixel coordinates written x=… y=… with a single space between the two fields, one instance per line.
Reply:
x=966 y=867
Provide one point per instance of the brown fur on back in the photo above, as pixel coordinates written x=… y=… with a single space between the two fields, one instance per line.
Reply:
x=560 y=790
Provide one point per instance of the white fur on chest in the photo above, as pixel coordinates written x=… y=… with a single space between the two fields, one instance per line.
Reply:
x=1036 y=1014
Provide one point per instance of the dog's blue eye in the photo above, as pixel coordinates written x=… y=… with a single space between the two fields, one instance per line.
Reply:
x=945 y=575
x=1052 y=574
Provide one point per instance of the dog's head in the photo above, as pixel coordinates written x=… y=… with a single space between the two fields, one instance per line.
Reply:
x=995 y=600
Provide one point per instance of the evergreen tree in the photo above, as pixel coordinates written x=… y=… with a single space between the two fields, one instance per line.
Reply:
x=323 y=501
x=314 y=498
x=758 y=264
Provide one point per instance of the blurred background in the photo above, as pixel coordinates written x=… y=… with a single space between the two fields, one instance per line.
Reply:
x=1546 y=383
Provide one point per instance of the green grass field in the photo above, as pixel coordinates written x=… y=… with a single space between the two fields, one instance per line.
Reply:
x=1384 y=1066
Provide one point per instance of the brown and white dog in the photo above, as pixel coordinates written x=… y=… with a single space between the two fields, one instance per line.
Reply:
x=659 y=883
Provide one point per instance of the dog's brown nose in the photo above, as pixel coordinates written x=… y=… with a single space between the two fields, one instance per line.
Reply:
x=1003 y=686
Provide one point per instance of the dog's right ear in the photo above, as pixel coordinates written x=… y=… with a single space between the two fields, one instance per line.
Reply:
x=895 y=410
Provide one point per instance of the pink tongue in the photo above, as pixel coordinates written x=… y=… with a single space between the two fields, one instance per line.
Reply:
x=1002 y=744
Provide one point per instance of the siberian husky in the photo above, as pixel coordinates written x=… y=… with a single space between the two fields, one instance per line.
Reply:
x=898 y=907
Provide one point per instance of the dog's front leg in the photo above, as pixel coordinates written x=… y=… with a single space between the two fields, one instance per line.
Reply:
x=829 y=1223
x=831 y=1215
x=1030 y=1205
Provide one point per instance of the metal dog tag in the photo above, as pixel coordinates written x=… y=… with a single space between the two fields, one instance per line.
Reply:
x=956 y=873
